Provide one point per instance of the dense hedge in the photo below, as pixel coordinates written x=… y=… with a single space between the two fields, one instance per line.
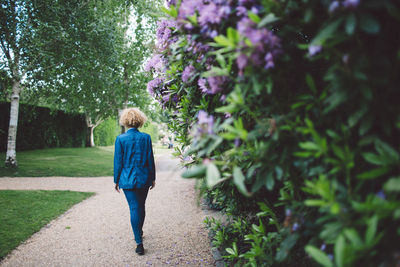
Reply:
x=43 y=128
x=290 y=112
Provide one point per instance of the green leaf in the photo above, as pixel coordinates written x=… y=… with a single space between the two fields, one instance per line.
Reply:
x=318 y=256
x=351 y=24
x=254 y=17
x=223 y=41
x=173 y=12
x=231 y=108
x=267 y=20
x=371 y=174
x=238 y=179
x=339 y=251
x=385 y=149
x=215 y=71
x=315 y=202
x=197 y=171
x=279 y=172
x=270 y=182
x=230 y=251
x=309 y=146
x=371 y=229
x=369 y=24
x=373 y=158
x=326 y=32
x=335 y=208
x=233 y=35
x=311 y=84
x=392 y=185
x=213 y=176
x=355 y=117
x=354 y=238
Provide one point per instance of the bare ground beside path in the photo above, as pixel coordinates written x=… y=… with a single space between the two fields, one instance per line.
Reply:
x=97 y=231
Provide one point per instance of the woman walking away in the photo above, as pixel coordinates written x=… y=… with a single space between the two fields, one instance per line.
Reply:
x=134 y=169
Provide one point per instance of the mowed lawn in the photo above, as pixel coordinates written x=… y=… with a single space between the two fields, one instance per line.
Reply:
x=25 y=212
x=72 y=162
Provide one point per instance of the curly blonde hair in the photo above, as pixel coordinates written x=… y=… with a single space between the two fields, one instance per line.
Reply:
x=132 y=118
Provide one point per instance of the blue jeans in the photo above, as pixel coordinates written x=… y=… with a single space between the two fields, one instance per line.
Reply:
x=136 y=199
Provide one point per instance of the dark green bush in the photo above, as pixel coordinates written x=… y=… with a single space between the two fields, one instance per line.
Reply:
x=291 y=115
x=43 y=128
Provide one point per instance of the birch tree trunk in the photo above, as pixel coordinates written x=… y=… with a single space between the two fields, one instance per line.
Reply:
x=91 y=125
x=11 y=156
x=90 y=137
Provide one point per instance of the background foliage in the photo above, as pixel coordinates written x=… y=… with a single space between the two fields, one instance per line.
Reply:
x=288 y=111
x=106 y=132
x=43 y=128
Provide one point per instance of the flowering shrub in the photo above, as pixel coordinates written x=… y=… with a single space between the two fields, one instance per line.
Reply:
x=288 y=110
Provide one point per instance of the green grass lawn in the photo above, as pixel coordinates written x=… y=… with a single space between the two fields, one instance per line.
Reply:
x=25 y=212
x=73 y=162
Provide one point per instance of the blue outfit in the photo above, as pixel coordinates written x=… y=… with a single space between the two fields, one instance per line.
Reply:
x=134 y=172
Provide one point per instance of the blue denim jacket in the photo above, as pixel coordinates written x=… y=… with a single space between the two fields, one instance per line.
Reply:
x=133 y=160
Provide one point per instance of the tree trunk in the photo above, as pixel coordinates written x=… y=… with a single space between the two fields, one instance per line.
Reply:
x=91 y=124
x=119 y=116
x=90 y=136
x=11 y=156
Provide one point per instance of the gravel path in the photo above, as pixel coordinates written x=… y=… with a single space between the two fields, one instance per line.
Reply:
x=97 y=231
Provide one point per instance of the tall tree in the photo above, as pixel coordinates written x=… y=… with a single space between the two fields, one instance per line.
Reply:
x=16 y=32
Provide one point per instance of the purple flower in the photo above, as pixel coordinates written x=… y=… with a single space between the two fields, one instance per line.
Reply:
x=202 y=117
x=164 y=33
x=205 y=122
x=216 y=84
x=202 y=85
x=241 y=11
x=175 y=98
x=156 y=63
x=381 y=194
x=288 y=212
x=170 y=2
x=187 y=73
x=241 y=62
x=166 y=98
x=237 y=142
x=269 y=60
x=209 y=14
x=213 y=13
x=295 y=227
x=265 y=46
x=314 y=49
x=323 y=247
x=154 y=84
x=330 y=256
x=246 y=2
x=351 y=3
x=333 y=6
x=345 y=58
x=213 y=33
x=188 y=8
x=245 y=25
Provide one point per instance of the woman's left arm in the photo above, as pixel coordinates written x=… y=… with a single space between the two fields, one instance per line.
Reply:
x=150 y=160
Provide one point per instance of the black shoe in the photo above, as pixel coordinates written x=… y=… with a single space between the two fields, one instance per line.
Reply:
x=140 y=249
